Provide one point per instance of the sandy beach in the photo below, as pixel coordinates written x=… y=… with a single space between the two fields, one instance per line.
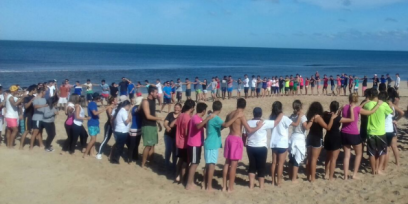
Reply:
x=38 y=177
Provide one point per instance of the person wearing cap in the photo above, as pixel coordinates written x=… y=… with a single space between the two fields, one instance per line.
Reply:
x=12 y=103
x=135 y=131
x=93 y=123
x=375 y=81
x=28 y=113
x=149 y=124
x=257 y=148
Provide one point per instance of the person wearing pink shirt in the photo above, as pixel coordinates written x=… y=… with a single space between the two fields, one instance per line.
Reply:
x=182 y=123
x=196 y=141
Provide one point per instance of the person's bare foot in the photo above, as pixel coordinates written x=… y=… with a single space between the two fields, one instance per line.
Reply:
x=230 y=190
x=326 y=177
x=295 y=181
x=177 y=179
x=190 y=187
x=355 y=177
x=224 y=189
x=381 y=173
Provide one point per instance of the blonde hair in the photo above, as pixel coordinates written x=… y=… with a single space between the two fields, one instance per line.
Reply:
x=353 y=97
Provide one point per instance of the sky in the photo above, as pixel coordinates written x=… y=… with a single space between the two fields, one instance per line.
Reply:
x=320 y=24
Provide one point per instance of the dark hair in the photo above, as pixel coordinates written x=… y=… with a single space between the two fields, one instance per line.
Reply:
x=113 y=83
x=120 y=105
x=110 y=100
x=32 y=88
x=96 y=96
x=392 y=94
x=189 y=104
x=383 y=96
x=40 y=90
x=373 y=93
x=296 y=105
x=201 y=107
x=178 y=104
x=315 y=108
x=241 y=103
x=367 y=93
x=52 y=100
x=334 y=106
x=276 y=109
x=217 y=106
x=382 y=87
x=152 y=89
x=103 y=80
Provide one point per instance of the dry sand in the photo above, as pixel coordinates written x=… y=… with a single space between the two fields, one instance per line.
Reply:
x=40 y=177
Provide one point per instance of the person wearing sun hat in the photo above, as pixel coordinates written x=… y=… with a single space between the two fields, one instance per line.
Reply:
x=12 y=103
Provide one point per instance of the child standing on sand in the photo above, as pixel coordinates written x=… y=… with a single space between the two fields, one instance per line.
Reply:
x=93 y=123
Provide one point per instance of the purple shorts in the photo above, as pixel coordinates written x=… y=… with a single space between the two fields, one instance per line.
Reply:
x=233 y=147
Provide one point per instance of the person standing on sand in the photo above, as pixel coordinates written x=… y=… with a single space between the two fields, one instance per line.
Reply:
x=397 y=82
x=257 y=148
x=167 y=97
x=114 y=90
x=179 y=90
x=182 y=123
x=188 y=88
x=159 y=91
x=122 y=119
x=213 y=86
x=213 y=142
x=195 y=141
x=39 y=103
x=253 y=86
x=78 y=129
x=112 y=104
x=224 y=87
x=123 y=86
x=48 y=122
x=332 y=86
x=12 y=103
x=149 y=124
x=170 y=139
x=28 y=113
x=325 y=85
x=246 y=85
x=234 y=145
x=135 y=132
x=377 y=141
x=105 y=91
x=63 y=96
x=93 y=123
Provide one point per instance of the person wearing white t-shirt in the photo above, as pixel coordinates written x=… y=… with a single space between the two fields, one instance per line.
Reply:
x=257 y=148
x=297 y=143
x=2 y=104
x=254 y=81
x=279 y=141
x=12 y=116
x=51 y=87
x=397 y=81
x=159 y=91
x=246 y=85
x=122 y=120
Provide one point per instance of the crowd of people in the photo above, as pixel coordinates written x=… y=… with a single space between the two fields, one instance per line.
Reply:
x=191 y=128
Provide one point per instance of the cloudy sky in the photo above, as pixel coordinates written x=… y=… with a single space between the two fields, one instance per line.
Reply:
x=328 y=24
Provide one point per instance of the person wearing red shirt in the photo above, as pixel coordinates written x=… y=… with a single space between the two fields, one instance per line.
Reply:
x=63 y=96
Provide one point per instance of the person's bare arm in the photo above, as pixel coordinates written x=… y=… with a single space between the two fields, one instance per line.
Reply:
x=399 y=110
x=369 y=112
x=352 y=117
x=146 y=111
x=166 y=126
x=230 y=122
x=27 y=105
x=98 y=112
x=319 y=120
x=204 y=122
x=278 y=119
x=250 y=130
x=77 y=112
x=295 y=124
x=16 y=103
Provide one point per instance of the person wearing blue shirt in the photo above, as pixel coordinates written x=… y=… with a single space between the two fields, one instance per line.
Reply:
x=167 y=96
x=78 y=88
x=131 y=91
x=93 y=123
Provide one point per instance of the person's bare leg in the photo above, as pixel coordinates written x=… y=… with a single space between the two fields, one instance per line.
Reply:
x=40 y=139
x=295 y=170
x=327 y=164
x=281 y=161
x=395 y=150
x=359 y=154
x=261 y=182
x=273 y=167
x=8 y=136
x=309 y=158
x=191 y=173
x=146 y=151
x=313 y=163
x=210 y=174
x=89 y=146
x=233 y=170
x=251 y=180
x=13 y=134
x=151 y=152
x=225 y=174
x=22 y=140
x=381 y=163
x=386 y=159
x=373 y=165
x=346 y=160
x=333 y=160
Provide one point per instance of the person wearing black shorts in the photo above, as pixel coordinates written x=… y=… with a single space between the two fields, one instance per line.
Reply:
x=28 y=113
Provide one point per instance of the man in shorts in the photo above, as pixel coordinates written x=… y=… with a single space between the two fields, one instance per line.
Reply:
x=149 y=124
x=131 y=91
x=301 y=82
x=332 y=85
x=377 y=141
x=167 y=96
x=188 y=88
x=39 y=103
x=234 y=145
x=105 y=91
x=197 y=87
x=63 y=96
x=345 y=84
x=230 y=88
x=325 y=85
x=339 y=84
x=28 y=113
x=195 y=141
x=253 y=86
x=12 y=101
x=246 y=85
x=179 y=90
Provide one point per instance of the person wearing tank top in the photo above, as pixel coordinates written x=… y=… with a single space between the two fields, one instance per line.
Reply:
x=11 y=116
x=70 y=113
x=113 y=102
x=149 y=128
x=78 y=129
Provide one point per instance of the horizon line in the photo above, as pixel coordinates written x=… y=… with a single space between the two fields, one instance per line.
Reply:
x=187 y=45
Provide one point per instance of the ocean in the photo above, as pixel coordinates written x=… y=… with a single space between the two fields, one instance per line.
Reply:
x=30 y=62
